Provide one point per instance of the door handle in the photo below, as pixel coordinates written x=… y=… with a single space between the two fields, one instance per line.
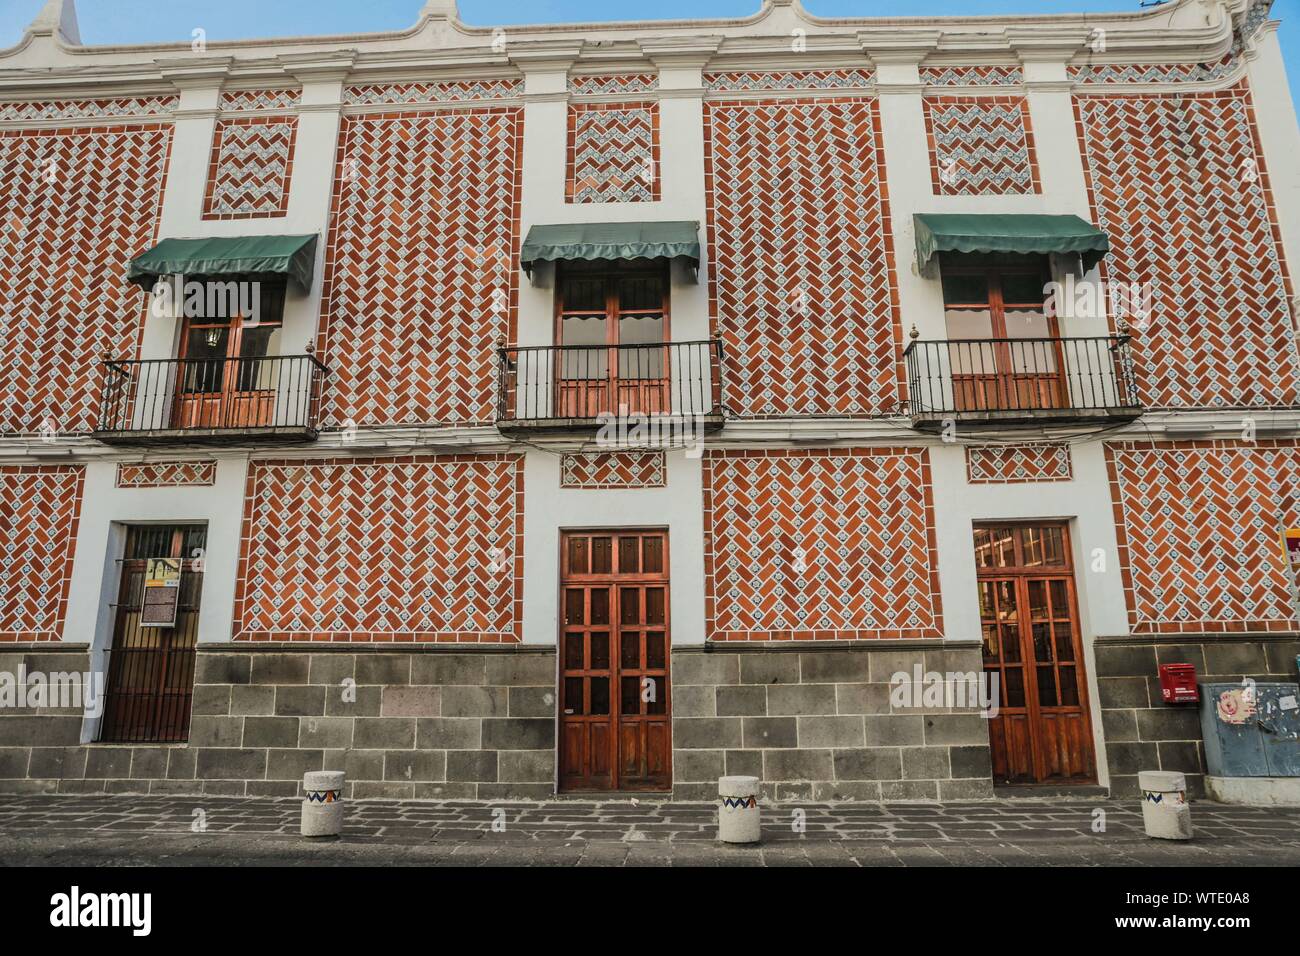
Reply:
x=568 y=711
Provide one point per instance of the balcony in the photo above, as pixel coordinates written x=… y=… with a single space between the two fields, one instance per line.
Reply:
x=1021 y=382
x=268 y=400
x=577 y=387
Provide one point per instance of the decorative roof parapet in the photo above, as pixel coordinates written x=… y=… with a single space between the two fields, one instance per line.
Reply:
x=50 y=60
x=57 y=19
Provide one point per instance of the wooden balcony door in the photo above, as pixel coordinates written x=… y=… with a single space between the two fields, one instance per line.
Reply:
x=225 y=380
x=615 y=701
x=1030 y=624
x=610 y=320
x=1011 y=361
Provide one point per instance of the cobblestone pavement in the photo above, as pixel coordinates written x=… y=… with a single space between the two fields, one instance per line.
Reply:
x=127 y=830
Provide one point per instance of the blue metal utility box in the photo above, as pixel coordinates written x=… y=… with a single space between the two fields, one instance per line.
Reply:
x=1251 y=730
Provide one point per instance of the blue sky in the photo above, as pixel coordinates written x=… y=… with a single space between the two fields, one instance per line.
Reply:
x=145 y=21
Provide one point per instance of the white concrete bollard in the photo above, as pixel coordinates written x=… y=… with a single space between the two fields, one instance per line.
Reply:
x=322 y=803
x=1165 y=813
x=738 y=816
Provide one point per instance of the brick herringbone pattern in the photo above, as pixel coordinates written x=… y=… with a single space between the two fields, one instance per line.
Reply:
x=90 y=109
x=801 y=286
x=450 y=92
x=75 y=207
x=283 y=99
x=1178 y=184
x=1004 y=464
x=619 y=83
x=981 y=146
x=780 y=80
x=1128 y=73
x=39 y=509
x=614 y=470
x=1199 y=526
x=384 y=549
x=166 y=474
x=251 y=168
x=972 y=75
x=422 y=265
x=823 y=545
x=613 y=153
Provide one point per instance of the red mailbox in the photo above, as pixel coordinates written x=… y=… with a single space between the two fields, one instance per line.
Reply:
x=1178 y=684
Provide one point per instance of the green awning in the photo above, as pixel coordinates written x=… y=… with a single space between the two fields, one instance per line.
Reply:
x=229 y=258
x=612 y=240
x=936 y=233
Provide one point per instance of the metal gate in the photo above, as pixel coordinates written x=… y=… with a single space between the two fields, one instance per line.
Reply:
x=151 y=669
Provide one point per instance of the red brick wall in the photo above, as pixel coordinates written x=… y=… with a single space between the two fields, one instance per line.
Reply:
x=613 y=153
x=604 y=84
x=986 y=75
x=1200 y=526
x=421 y=274
x=40 y=506
x=981 y=146
x=802 y=291
x=251 y=168
x=637 y=469
x=76 y=205
x=1178 y=183
x=382 y=549
x=1004 y=464
x=775 y=522
x=166 y=474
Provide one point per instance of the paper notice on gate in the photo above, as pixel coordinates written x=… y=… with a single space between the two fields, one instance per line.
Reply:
x=162 y=592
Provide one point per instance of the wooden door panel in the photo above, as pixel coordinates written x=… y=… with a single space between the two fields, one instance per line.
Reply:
x=643 y=397
x=631 y=750
x=1011 y=748
x=1067 y=746
x=573 y=750
x=249 y=409
x=582 y=398
x=1037 y=390
x=975 y=393
x=614 y=666
x=598 y=750
x=658 y=743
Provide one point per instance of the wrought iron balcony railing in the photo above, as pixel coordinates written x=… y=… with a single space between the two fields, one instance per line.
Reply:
x=1022 y=381
x=215 y=401
x=571 y=386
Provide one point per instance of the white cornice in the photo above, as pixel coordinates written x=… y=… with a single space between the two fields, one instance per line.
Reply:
x=544 y=57
x=1178 y=31
x=1162 y=425
x=899 y=46
x=195 y=73
x=319 y=67
x=213 y=113
x=695 y=52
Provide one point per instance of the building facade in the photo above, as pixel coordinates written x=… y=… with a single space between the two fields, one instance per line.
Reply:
x=614 y=407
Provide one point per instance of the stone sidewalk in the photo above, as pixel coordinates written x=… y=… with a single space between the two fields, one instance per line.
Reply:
x=127 y=830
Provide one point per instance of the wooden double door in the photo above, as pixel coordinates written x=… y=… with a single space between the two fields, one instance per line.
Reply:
x=613 y=326
x=229 y=372
x=1005 y=350
x=1029 y=620
x=615 y=699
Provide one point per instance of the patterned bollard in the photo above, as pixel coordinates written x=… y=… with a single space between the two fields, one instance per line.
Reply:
x=322 y=803
x=1165 y=813
x=738 y=817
